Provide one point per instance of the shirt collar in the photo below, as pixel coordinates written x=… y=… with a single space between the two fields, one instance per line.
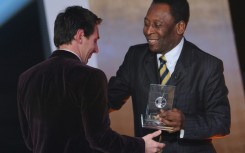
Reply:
x=72 y=53
x=173 y=55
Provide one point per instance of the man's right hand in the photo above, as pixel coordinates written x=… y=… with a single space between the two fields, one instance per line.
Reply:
x=152 y=146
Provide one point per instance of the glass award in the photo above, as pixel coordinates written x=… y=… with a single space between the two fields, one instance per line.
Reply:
x=160 y=99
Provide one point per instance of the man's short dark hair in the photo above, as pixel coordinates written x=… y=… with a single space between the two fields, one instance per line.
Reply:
x=179 y=9
x=72 y=19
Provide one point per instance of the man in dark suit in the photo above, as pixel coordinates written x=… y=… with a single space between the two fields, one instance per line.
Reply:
x=201 y=108
x=62 y=102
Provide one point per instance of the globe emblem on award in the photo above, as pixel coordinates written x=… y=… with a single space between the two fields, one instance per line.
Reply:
x=160 y=102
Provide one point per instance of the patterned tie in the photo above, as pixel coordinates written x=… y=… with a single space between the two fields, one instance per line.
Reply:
x=164 y=77
x=164 y=72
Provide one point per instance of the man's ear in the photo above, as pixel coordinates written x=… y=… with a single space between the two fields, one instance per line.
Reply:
x=79 y=35
x=181 y=26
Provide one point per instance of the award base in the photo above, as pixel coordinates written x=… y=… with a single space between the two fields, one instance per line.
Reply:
x=154 y=123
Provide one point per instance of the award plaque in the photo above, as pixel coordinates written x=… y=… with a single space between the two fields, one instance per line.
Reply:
x=160 y=99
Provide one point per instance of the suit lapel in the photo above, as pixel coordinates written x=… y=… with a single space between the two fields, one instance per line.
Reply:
x=182 y=68
x=179 y=73
x=150 y=67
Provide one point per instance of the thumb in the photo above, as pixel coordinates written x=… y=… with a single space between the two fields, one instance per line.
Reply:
x=174 y=109
x=155 y=134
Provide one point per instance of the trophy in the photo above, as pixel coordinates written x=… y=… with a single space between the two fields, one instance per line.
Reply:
x=160 y=99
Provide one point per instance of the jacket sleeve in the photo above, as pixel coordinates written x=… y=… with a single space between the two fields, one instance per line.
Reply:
x=119 y=85
x=26 y=133
x=97 y=123
x=216 y=120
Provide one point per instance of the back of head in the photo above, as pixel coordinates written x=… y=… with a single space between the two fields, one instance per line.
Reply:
x=72 y=19
x=179 y=9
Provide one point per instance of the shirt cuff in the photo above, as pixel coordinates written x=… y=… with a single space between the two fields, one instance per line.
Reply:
x=182 y=132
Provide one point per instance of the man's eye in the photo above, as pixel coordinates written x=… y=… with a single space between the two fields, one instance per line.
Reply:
x=146 y=24
x=158 y=25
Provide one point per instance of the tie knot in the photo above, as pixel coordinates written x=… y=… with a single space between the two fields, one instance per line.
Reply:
x=162 y=59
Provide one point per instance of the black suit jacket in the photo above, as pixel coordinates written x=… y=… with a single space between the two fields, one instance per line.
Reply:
x=200 y=93
x=62 y=107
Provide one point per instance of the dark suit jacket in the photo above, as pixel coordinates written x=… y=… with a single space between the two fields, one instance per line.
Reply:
x=200 y=93
x=62 y=107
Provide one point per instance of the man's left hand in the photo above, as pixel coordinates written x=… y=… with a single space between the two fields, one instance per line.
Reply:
x=172 y=118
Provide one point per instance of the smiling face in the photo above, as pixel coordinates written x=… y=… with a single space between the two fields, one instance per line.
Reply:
x=89 y=45
x=160 y=29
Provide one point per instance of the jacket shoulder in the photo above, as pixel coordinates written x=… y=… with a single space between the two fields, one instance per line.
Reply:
x=139 y=47
x=139 y=50
x=201 y=54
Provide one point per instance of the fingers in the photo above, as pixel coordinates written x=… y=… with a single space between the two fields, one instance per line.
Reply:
x=154 y=150
x=155 y=134
x=152 y=146
x=162 y=113
x=157 y=146
x=176 y=126
x=160 y=145
x=172 y=118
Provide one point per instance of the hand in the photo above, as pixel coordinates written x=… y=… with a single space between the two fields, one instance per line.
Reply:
x=173 y=118
x=152 y=146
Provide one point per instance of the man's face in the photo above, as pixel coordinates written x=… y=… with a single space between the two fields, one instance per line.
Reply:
x=89 y=45
x=160 y=29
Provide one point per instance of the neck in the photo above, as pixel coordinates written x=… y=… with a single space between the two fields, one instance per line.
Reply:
x=71 y=48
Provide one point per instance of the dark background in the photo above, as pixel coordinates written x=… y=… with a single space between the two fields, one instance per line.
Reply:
x=238 y=21
x=22 y=45
x=24 y=42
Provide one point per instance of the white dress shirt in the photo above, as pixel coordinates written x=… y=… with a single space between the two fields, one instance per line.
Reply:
x=172 y=56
